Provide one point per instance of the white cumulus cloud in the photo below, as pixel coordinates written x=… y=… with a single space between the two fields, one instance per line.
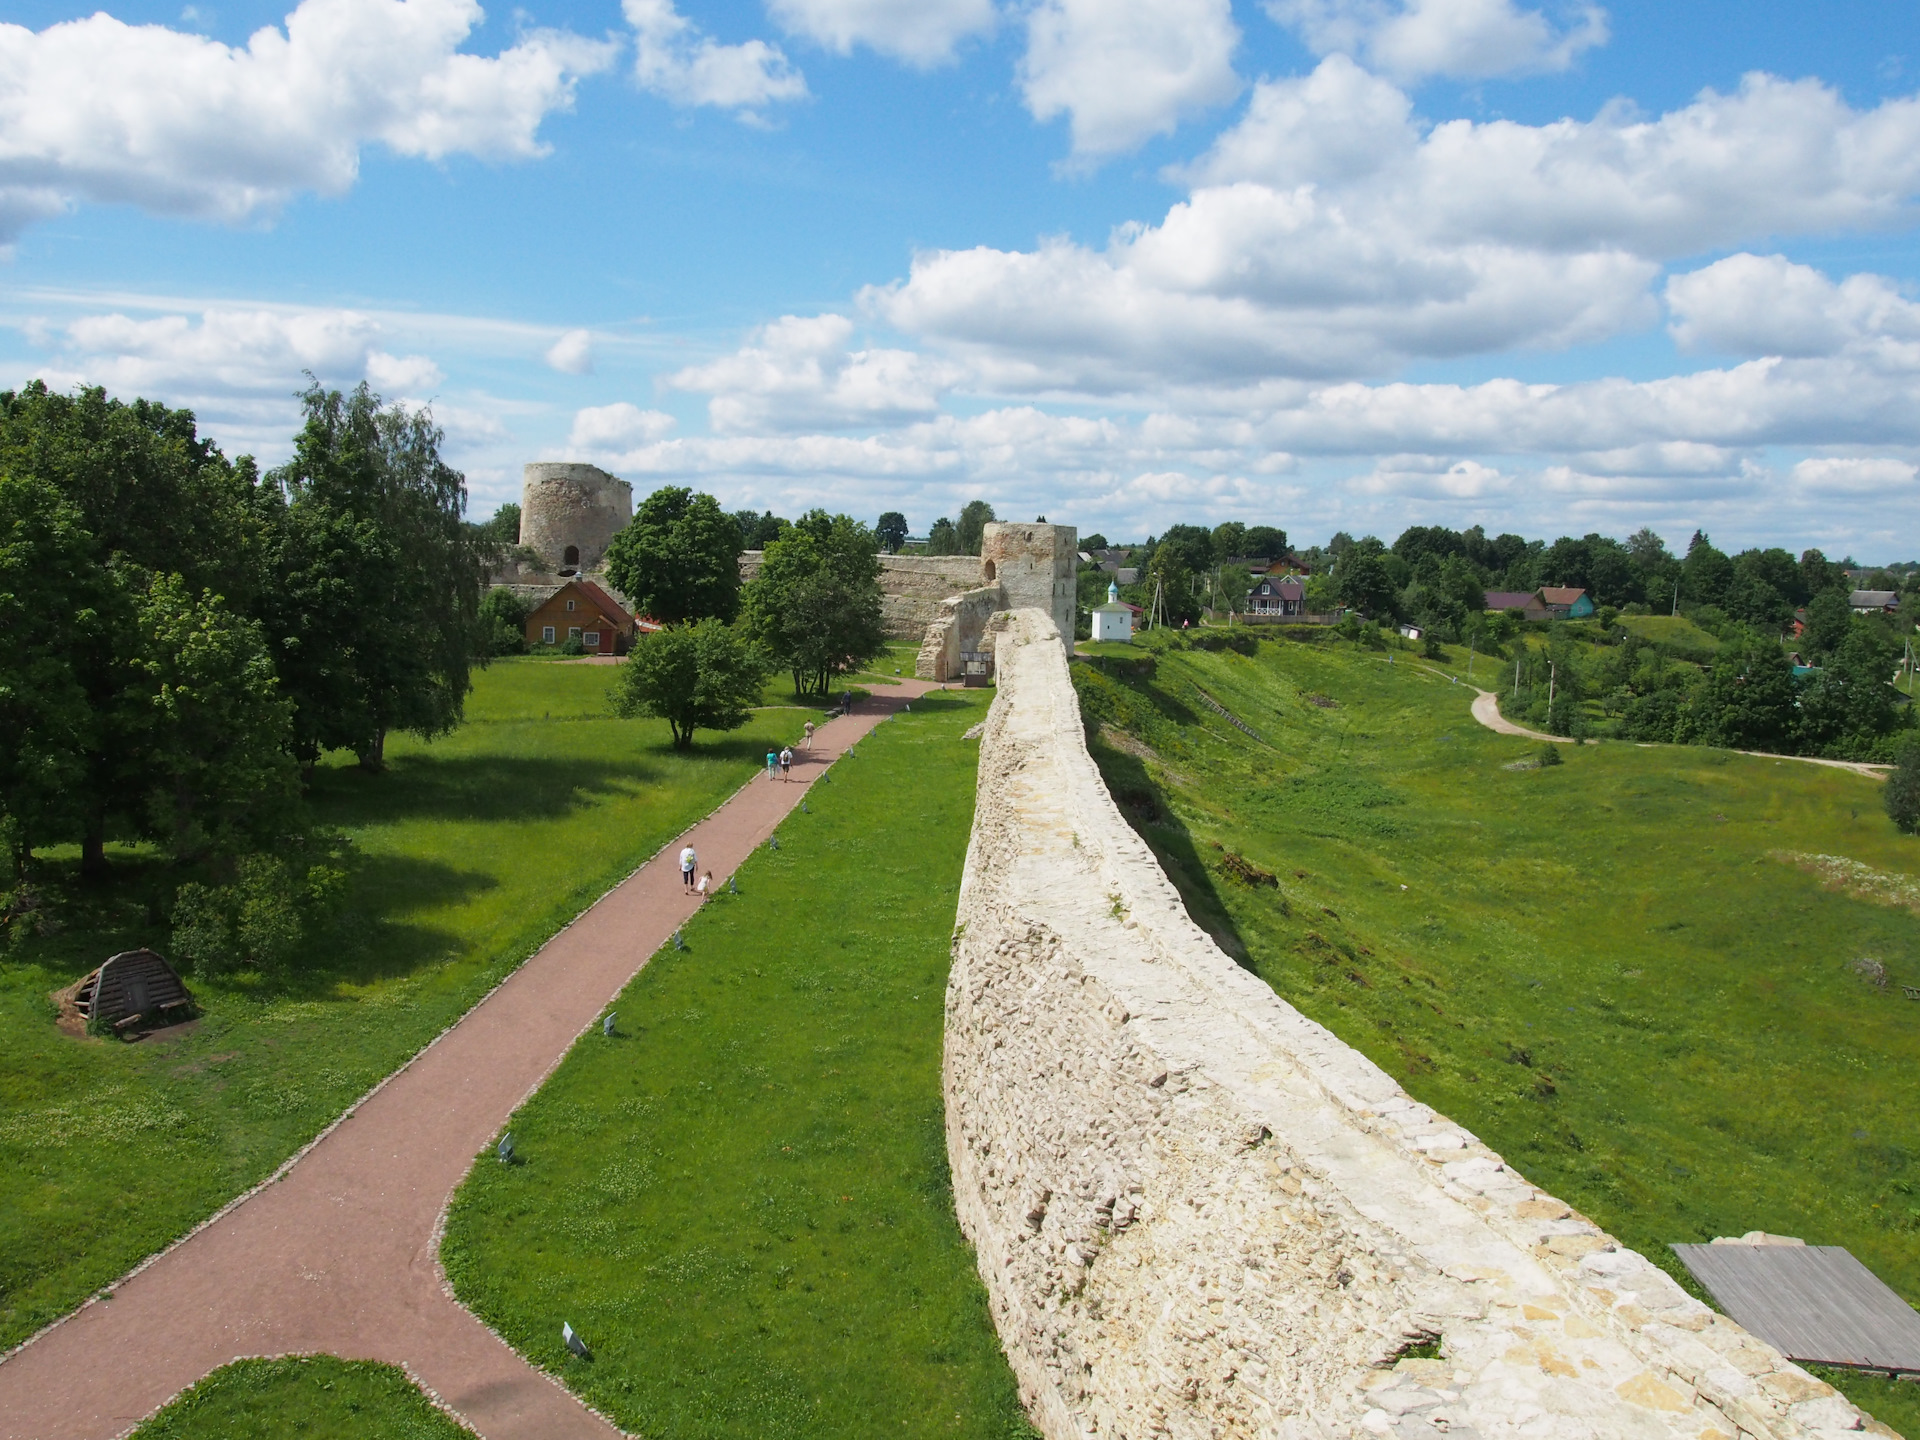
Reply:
x=96 y=109
x=1125 y=70
x=402 y=374
x=1850 y=475
x=572 y=353
x=920 y=32
x=676 y=61
x=617 y=427
x=1464 y=39
x=802 y=371
x=1331 y=234
x=1767 y=305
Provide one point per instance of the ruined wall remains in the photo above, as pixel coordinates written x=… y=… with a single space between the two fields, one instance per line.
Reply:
x=1200 y=1214
x=959 y=629
x=565 y=505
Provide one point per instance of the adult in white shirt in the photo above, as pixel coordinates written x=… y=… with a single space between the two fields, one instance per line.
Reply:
x=687 y=861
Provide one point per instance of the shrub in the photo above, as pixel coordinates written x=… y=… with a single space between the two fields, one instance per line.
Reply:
x=503 y=623
x=1430 y=646
x=258 y=919
x=1550 y=755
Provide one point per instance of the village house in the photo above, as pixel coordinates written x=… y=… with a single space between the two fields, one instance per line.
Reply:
x=1527 y=602
x=1865 y=602
x=1278 y=597
x=578 y=610
x=1564 y=602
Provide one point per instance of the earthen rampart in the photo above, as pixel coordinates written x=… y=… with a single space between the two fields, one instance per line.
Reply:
x=1198 y=1213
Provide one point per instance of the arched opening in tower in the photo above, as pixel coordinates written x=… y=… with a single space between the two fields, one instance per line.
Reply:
x=571 y=559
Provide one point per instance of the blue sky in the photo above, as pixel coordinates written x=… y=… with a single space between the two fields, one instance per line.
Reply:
x=1320 y=263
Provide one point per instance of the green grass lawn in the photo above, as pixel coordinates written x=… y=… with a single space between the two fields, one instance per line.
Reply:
x=1600 y=967
x=741 y=1201
x=315 y=1396
x=474 y=850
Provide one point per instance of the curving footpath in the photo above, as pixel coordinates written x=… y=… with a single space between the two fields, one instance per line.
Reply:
x=338 y=1253
x=1486 y=709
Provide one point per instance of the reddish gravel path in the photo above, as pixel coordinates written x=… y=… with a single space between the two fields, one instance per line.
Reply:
x=340 y=1255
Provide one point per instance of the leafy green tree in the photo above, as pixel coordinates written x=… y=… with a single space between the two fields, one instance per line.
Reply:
x=678 y=558
x=1708 y=573
x=1361 y=581
x=1094 y=542
x=815 y=605
x=974 y=516
x=944 y=538
x=378 y=594
x=49 y=615
x=1267 y=541
x=706 y=675
x=1829 y=621
x=758 y=531
x=503 y=623
x=1746 y=702
x=503 y=526
x=216 y=765
x=1169 y=571
x=139 y=494
x=1902 y=794
x=1848 y=704
x=891 y=531
x=1229 y=540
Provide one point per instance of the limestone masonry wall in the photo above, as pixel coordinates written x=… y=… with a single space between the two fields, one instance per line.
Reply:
x=911 y=587
x=1198 y=1213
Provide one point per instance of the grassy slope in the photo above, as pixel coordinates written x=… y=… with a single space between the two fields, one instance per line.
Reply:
x=317 y=1396
x=1594 y=966
x=477 y=848
x=741 y=1201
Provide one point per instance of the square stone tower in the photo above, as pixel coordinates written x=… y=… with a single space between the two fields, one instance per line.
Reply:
x=1035 y=564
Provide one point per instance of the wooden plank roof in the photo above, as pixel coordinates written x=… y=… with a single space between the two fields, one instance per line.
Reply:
x=1810 y=1302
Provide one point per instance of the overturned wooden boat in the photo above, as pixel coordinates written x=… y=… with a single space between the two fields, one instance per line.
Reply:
x=131 y=986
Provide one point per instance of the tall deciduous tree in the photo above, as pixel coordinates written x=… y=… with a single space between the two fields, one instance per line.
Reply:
x=944 y=538
x=140 y=495
x=679 y=558
x=815 y=605
x=705 y=676
x=974 y=516
x=892 y=531
x=377 y=602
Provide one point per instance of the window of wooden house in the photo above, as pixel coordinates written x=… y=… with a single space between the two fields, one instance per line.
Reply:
x=573 y=632
x=591 y=639
x=546 y=634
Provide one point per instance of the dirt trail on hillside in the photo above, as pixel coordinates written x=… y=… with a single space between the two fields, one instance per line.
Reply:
x=339 y=1253
x=1486 y=709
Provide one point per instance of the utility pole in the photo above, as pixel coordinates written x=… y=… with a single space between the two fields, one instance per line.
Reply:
x=1472 y=640
x=1552 y=675
x=1676 y=593
x=1516 y=677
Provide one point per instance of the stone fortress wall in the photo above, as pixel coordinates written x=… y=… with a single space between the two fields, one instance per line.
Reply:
x=581 y=506
x=1198 y=1213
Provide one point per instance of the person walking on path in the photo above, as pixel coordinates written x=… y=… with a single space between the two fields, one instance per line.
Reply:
x=786 y=763
x=687 y=861
x=773 y=763
x=806 y=732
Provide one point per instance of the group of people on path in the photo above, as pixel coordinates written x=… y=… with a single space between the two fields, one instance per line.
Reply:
x=778 y=762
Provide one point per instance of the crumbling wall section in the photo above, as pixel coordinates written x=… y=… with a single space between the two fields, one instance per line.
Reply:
x=959 y=627
x=912 y=587
x=1199 y=1214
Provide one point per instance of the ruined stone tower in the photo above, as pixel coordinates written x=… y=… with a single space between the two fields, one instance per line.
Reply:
x=569 y=512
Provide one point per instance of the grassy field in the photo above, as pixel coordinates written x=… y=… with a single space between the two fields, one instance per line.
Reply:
x=1679 y=635
x=474 y=849
x=316 y=1396
x=741 y=1201
x=1612 y=969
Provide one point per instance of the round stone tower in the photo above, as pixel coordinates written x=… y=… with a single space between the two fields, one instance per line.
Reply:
x=569 y=512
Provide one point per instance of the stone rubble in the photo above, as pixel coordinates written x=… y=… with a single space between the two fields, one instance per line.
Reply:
x=1199 y=1214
